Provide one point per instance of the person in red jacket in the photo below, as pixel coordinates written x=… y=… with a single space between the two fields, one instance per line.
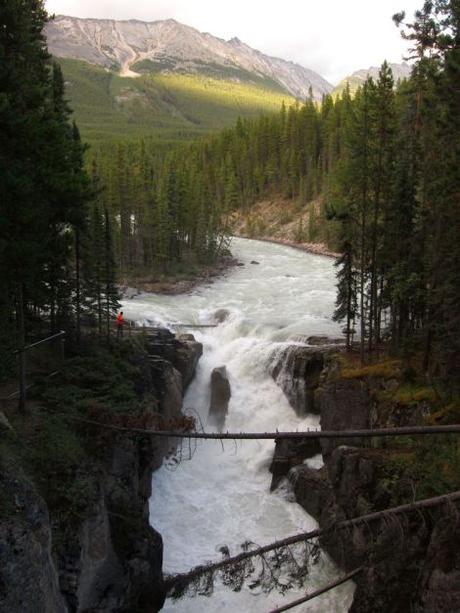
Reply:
x=120 y=324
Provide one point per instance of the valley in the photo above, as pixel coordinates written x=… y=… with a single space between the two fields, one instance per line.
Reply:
x=230 y=336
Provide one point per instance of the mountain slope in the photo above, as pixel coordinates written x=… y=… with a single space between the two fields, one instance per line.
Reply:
x=357 y=78
x=164 y=106
x=168 y=46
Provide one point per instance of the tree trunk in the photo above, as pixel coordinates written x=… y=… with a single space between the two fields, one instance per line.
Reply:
x=22 y=352
x=77 y=285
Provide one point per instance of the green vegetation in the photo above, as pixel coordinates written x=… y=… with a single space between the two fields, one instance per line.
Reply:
x=395 y=195
x=101 y=381
x=44 y=189
x=382 y=171
x=411 y=395
x=421 y=468
x=61 y=456
x=448 y=414
x=164 y=107
x=386 y=369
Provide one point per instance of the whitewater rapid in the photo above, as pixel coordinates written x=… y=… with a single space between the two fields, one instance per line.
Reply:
x=221 y=496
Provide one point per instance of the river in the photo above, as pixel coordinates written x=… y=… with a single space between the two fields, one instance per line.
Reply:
x=221 y=495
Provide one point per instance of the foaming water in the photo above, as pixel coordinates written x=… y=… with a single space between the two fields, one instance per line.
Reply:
x=221 y=495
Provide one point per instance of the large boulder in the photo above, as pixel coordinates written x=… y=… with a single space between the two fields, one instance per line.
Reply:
x=220 y=397
x=188 y=351
x=168 y=386
x=181 y=350
x=221 y=315
x=289 y=453
x=312 y=489
x=325 y=341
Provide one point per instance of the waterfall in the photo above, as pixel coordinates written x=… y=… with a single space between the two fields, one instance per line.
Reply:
x=220 y=496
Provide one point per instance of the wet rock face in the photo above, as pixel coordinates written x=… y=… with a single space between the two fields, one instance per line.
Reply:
x=324 y=341
x=111 y=564
x=220 y=397
x=297 y=371
x=333 y=494
x=168 y=385
x=312 y=490
x=4 y=423
x=188 y=351
x=354 y=475
x=410 y=563
x=113 y=560
x=182 y=351
x=89 y=569
x=290 y=453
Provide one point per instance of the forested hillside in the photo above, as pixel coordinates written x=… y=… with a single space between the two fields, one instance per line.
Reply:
x=65 y=231
x=384 y=167
x=163 y=107
x=381 y=167
x=44 y=189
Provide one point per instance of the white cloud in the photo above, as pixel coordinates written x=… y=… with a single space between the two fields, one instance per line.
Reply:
x=333 y=37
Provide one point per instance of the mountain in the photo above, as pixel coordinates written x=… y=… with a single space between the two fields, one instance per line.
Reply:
x=167 y=107
x=134 y=47
x=357 y=78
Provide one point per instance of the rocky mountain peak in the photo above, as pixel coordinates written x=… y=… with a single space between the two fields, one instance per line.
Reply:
x=169 y=46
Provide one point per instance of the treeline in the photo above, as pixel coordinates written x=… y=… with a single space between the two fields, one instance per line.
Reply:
x=47 y=221
x=172 y=204
x=159 y=202
x=385 y=166
x=396 y=195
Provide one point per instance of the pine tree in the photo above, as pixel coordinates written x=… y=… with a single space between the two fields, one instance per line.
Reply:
x=111 y=298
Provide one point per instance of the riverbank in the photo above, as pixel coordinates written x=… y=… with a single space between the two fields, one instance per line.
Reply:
x=314 y=248
x=284 y=222
x=179 y=283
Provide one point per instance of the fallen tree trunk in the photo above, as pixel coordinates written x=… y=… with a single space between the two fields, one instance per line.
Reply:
x=177 y=584
x=315 y=594
x=234 y=436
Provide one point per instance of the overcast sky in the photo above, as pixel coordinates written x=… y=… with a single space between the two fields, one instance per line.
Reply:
x=333 y=37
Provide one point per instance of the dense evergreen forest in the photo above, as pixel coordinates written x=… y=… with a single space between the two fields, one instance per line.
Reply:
x=47 y=226
x=383 y=164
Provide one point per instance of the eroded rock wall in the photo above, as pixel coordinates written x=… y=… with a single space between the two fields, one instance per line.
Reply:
x=111 y=561
x=411 y=563
x=28 y=574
